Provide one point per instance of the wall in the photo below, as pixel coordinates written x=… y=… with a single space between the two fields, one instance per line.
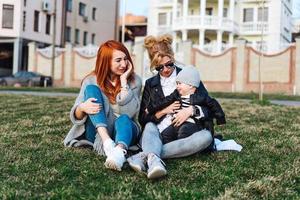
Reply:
x=235 y=70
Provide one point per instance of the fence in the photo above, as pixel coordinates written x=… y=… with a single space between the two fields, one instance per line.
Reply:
x=235 y=70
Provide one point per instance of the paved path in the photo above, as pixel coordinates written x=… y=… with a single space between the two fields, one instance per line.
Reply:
x=36 y=93
x=55 y=94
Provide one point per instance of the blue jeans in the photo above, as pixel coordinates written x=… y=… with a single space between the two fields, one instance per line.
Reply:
x=152 y=143
x=125 y=130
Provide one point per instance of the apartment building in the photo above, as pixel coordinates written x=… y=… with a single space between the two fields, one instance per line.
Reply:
x=214 y=25
x=79 y=22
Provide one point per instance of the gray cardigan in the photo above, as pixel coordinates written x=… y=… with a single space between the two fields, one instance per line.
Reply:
x=129 y=105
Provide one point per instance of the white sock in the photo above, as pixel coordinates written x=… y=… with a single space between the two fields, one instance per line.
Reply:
x=108 y=145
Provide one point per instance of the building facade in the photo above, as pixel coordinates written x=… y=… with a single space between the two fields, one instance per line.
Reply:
x=214 y=25
x=77 y=22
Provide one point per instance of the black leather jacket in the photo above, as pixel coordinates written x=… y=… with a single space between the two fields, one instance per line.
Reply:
x=153 y=92
x=215 y=109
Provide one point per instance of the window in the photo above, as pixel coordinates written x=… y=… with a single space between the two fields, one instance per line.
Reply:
x=48 y=24
x=68 y=34
x=69 y=5
x=36 y=21
x=162 y=19
x=82 y=7
x=93 y=38
x=85 y=38
x=248 y=15
x=77 y=36
x=24 y=20
x=24 y=3
x=209 y=11
x=262 y=14
x=225 y=12
x=94 y=14
x=8 y=16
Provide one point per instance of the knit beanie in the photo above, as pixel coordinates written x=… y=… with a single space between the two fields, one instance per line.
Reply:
x=189 y=75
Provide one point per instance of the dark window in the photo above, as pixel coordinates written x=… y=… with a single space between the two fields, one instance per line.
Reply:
x=48 y=24
x=94 y=14
x=208 y=11
x=77 y=36
x=68 y=34
x=82 y=7
x=36 y=21
x=24 y=20
x=248 y=15
x=225 y=12
x=93 y=38
x=69 y=5
x=85 y=37
x=25 y=3
x=8 y=16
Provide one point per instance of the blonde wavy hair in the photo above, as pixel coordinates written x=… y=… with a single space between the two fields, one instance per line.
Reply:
x=158 y=47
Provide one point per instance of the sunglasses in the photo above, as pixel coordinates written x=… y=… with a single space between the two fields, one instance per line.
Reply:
x=161 y=67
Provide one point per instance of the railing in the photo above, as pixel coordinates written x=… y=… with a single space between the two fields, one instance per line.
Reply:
x=209 y=22
x=164 y=29
x=254 y=27
x=160 y=3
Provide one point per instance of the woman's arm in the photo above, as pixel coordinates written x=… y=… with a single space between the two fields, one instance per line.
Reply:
x=129 y=100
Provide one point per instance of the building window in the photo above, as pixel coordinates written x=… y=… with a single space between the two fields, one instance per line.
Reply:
x=248 y=15
x=48 y=24
x=209 y=11
x=82 y=7
x=68 y=34
x=162 y=19
x=8 y=16
x=77 y=36
x=94 y=14
x=36 y=21
x=69 y=5
x=85 y=38
x=24 y=20
x=24 y=3
x=262 y=14
x=225 y=12
x=93 y=38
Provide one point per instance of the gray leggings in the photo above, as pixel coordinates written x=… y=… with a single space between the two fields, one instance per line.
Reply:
x=152 y=143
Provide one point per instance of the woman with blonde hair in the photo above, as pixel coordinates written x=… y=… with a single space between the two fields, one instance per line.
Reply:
x=156 y=88
x=103 y=112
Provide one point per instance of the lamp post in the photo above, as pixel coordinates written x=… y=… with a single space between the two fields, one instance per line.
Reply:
x=123 y=21
x=53 y=41
x=261 y=55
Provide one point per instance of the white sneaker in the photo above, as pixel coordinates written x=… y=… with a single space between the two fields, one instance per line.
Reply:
x=115 y=158
x=156 y=167
x=137 y=162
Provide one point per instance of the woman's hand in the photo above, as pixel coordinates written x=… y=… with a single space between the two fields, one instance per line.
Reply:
x=182 y=116
x=125 y=75
x=90 y=107
x=171 y=108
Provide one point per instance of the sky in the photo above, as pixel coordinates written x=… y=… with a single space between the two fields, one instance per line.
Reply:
x=140 y=7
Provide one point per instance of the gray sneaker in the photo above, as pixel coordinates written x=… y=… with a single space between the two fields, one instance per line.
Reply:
x=156 y=167
x=137 y=162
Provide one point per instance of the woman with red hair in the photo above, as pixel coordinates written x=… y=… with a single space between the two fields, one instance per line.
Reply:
x=108 y=101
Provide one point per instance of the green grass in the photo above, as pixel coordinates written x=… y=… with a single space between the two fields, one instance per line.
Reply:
x=34 y=164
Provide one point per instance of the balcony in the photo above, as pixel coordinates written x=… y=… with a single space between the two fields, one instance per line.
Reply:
x=254 y=28
x=163 y=3
x=209 y=23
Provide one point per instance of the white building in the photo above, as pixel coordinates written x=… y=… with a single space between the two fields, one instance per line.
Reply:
x=78 y=22
x=213 y=25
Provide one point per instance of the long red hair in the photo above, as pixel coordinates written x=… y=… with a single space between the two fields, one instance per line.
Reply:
x=103 y=68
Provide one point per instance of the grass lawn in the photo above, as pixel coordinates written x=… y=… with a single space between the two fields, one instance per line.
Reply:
x=34 y=164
